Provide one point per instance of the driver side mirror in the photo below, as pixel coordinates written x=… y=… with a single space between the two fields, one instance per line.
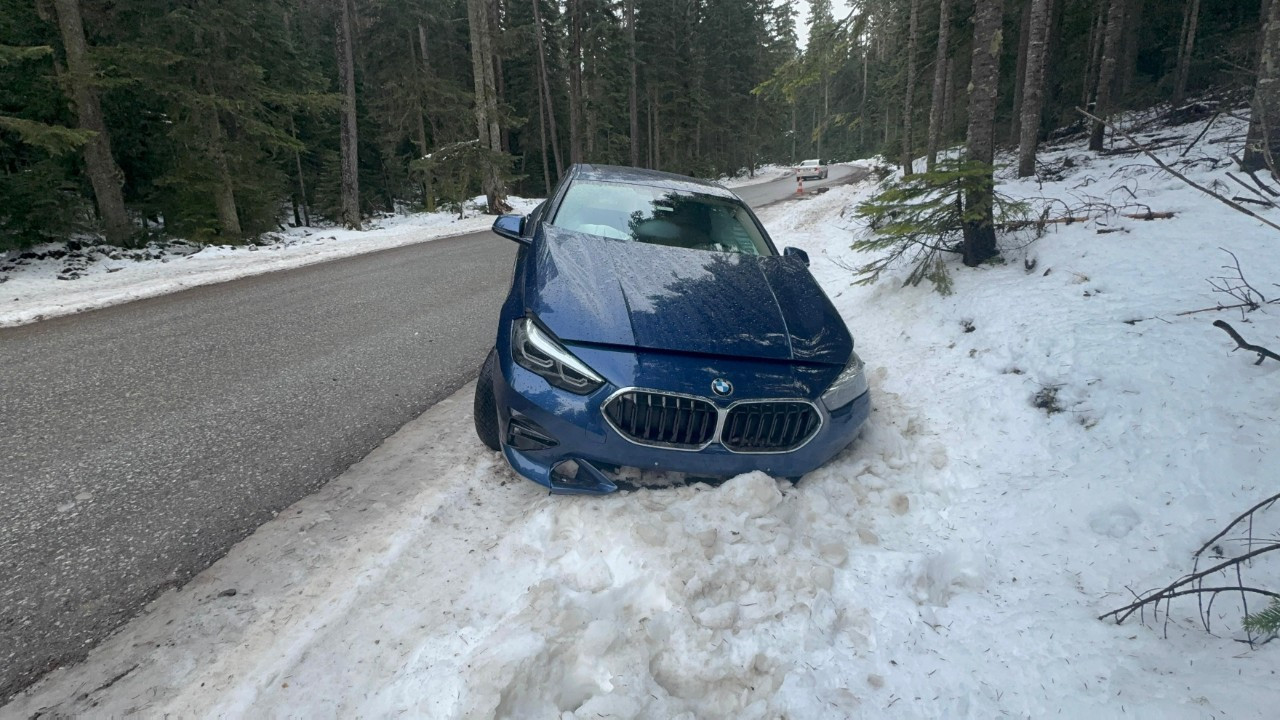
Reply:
x=795 y=252
x=510 y=227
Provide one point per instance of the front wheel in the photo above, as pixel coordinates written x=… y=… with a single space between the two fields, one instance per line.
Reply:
x=485 y=408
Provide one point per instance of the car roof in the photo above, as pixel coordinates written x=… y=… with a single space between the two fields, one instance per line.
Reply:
x=651 y=178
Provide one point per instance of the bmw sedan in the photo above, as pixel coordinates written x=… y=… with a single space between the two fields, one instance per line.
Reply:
x=652 y=324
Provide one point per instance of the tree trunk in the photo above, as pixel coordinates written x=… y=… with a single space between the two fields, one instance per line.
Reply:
x=302 y=180
x=936 y=107
x=1264 y=124
x=486 y=102
x=649 y=119
x=1107 y=72
x=821 y=128
x=913 y=41
x=224 y=197
x=793 y=132
x=633 y=103
x=862 y=107
x=1020 y=74
x=542 y=131
x=104 y=174
x=949 y=100
x=657 y=133
x=1132 y=37
x=429 y=196
x=349 y=214
x=545 y=89
x=575 y=81
x=984 y=80
x=1095 y=55
x=590 y=106
x=1033 y=86
x=1185 y=49
x=499 y=84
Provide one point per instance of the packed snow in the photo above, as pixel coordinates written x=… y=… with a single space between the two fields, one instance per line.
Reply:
x=951 y=563
x=65 y=278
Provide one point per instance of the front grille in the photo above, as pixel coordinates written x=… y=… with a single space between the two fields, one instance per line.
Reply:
x=769 y=426
x=653 y=418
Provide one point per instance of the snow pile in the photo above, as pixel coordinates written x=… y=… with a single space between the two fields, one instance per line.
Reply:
x=1030 y=455
x=65 y=278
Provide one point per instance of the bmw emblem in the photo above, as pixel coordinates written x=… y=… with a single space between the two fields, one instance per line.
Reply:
x=721 y=387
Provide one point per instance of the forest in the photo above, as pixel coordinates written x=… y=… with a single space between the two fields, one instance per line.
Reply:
x=138 y=120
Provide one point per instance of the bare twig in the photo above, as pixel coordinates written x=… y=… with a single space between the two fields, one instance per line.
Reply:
x=1163 y=166
x=1202 y=132
x=1265 y=187
x=1264 y=201
x=1263 y=353
x=1174 y=589
x=1216 y=308
x=1251 y=201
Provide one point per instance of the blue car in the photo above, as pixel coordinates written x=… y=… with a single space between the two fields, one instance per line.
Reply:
x=652 y=324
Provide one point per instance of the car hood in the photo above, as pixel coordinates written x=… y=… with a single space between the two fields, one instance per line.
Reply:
x=596 y=290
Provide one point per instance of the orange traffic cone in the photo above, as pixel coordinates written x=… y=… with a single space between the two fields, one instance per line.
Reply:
x=799 y=185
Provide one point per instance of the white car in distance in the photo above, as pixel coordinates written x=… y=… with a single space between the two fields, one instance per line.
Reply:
x=811 y=170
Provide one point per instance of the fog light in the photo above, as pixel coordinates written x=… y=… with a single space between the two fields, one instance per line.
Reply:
x=525 y=434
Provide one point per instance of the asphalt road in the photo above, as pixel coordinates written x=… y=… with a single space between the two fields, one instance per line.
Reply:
x=138 y=443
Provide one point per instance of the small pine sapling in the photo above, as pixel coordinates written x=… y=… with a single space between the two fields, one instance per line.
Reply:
x=915 y=219
x=1266 y=622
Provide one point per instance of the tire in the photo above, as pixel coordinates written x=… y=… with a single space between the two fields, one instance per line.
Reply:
x=485 y=408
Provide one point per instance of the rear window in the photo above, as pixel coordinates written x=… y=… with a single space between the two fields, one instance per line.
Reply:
x=658 y=216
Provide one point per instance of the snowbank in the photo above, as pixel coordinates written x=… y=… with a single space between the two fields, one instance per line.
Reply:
x=31 y=288
x=951 y=563
x=764 y=173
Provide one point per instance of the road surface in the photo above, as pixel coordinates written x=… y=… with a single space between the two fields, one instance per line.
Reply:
x=138 y=443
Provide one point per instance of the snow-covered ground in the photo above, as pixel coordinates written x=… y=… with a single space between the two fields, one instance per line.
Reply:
x=951 y=563
x=51 y=280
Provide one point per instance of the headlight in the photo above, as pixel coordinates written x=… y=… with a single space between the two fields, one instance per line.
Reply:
x=848 y=387
x=536 y=351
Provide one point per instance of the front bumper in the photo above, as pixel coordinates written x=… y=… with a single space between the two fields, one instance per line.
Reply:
x=583 y=436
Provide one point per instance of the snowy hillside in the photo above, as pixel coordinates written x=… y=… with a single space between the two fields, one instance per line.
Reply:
x=1031 y=455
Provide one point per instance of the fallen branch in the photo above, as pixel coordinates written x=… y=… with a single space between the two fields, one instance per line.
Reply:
x=1263 y=353
x=1174 y=589
x=1265 y=200
x=1244 y=515
x=1163 y=166
x=1217 y=308
x=1132 y=151
x=1265 y=187
x=1251 y=201
x=1202 y=132
x=1073 y=219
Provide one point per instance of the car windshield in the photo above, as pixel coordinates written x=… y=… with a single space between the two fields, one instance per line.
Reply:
x=810 y=162
x=660 y=216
